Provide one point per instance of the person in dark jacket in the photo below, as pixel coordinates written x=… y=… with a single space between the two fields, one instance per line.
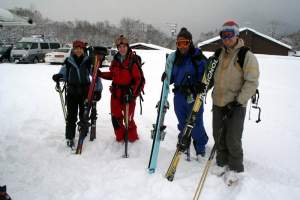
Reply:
x=125 y=80
x=76 y=73
x=187 y=66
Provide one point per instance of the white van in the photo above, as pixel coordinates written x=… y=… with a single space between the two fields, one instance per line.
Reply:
x=32 y=49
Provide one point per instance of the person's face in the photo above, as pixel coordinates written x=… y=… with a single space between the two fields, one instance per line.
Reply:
x=123 y=48
x=183 y=45
x=78 y=51
x=229 y=43
x=229 y=38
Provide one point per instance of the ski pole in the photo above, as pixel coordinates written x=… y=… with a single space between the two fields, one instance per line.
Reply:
x=204 y=174
x=126 y=125
x=60 y=91
x=208 y=162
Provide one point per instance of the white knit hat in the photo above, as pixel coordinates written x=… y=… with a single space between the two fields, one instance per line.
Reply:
x=230 y=26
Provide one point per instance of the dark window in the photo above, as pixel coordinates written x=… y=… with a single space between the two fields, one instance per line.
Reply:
x=34 y=46
x=54 y=45
x=44 y=46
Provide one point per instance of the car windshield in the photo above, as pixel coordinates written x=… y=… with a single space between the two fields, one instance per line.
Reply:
x=62 y=50
x=23 y=45
x=3 y=49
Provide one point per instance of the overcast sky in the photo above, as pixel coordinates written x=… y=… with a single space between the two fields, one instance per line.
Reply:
x=197 y=15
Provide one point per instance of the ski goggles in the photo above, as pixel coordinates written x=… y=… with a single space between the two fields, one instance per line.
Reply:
x=227 y=34
x=183 y=43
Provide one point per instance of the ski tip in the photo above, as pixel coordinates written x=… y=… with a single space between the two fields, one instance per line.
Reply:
x=170 y=178
x=151 y=170
x=125 y=156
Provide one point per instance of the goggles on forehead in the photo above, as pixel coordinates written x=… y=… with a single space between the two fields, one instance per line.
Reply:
x=183 y=43
x=227 y=34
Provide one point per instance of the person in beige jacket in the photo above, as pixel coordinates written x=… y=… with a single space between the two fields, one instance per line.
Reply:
x=233 y=87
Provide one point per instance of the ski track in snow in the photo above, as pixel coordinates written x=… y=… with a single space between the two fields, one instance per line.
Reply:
x=36 y=164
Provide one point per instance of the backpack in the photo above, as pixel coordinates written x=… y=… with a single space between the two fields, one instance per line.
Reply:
x=136 y=59
x=241 y=59
x=241 y=55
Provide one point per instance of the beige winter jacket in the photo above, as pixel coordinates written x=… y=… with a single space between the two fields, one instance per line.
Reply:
x=231 y=82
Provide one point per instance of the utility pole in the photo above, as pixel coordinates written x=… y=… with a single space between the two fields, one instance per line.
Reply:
x=173 y=29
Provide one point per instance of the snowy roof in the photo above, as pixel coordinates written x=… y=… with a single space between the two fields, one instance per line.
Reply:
x=153 y=46
x=244 y=29
x=9 y=19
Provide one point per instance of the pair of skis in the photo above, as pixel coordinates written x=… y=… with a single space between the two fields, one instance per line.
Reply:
x=99 y=54
x=158 y=132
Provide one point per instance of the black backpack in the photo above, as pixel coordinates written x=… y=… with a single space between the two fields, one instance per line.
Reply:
x=136 y=59
x=241 y=59
x=241 y=55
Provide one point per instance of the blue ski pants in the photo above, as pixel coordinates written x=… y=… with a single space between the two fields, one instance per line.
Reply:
x=182 y=110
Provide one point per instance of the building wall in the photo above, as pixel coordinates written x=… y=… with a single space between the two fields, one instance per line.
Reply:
x=261 y=45
x=256 y=43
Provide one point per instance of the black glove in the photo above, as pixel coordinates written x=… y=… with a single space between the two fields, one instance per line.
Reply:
x=97 y=95
x=163 y=76
x=229 y=108
x=57 y=77
x=200 y=87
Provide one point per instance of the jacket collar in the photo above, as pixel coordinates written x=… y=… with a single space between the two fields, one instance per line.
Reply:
x=240 y=43
x=72 y=61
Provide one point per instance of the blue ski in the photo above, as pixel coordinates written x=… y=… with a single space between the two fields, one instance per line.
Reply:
x=158 y=132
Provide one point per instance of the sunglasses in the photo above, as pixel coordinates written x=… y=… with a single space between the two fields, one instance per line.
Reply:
x=183 y=43
x=226 y=35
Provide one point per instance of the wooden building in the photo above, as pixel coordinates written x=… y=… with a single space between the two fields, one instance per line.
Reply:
x=259 y=43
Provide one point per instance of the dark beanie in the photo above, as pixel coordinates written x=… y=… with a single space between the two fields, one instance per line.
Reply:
x=185 y=33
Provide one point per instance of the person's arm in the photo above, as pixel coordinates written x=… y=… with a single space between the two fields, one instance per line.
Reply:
x=106 y=75
x=62 y=74
x=251 y=75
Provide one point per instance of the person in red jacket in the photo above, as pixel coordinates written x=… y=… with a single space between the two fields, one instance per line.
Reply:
x=125 y=77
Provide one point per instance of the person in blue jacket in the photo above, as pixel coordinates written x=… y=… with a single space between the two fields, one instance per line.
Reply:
x=187 y=66
x=76 y=73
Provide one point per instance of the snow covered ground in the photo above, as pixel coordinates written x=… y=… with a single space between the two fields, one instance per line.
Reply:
x=35 y=163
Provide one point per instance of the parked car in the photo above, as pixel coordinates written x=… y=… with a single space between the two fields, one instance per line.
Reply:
x=5 y=53
x=58 y=56
x=32 y=49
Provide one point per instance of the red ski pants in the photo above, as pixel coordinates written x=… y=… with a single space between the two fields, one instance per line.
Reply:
x=118 y=110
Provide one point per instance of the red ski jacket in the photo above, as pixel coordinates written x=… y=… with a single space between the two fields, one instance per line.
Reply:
x=122 y=75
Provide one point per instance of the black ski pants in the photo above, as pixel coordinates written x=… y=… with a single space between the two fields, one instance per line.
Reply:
x=227 y=134
x=75 y=102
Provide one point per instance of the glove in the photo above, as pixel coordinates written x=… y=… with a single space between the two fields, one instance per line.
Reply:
x=57 y=77
x=97 y=95
x=200 y=87
x=229 y=108
x=163 y=76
